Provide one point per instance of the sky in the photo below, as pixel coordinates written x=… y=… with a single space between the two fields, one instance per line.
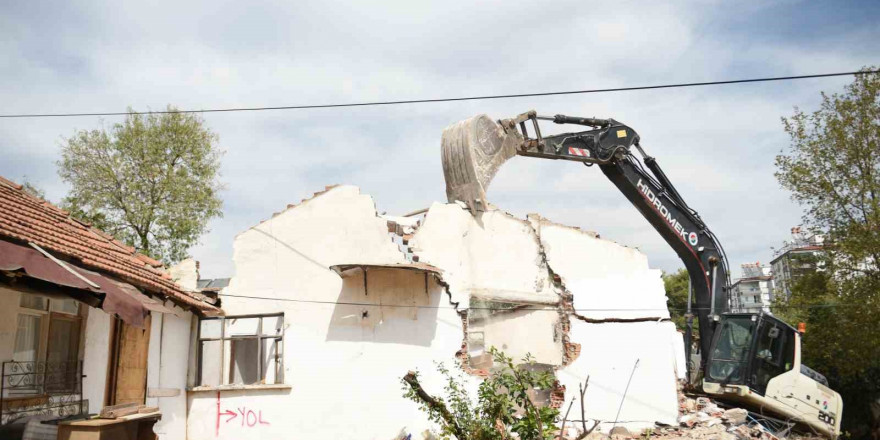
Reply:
x=717 y=144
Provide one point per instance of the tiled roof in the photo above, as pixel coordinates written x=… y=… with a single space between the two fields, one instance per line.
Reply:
x=26 y=218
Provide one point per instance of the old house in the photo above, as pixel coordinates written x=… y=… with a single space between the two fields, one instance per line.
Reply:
x=332 y=303
x=86 y=322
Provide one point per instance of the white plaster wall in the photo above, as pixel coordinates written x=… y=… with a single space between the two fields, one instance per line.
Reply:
x=343 y=368
x=676 y=344
x=95 y=358
x=185 y=274
x=608 y=355
x=494 y=255
x=608 y=280
x=290 y=254
x=167 y=371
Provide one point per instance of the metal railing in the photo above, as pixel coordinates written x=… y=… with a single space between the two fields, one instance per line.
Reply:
x=40 y=388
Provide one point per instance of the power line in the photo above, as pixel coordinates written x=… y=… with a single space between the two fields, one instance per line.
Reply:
x=435 y=100
x=554 y=309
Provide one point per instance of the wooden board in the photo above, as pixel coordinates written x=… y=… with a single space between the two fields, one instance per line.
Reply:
x=133 y=427
x=114 y=411
x=131 y=364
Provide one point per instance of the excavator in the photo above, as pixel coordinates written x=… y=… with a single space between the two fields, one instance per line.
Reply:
x=751 y=360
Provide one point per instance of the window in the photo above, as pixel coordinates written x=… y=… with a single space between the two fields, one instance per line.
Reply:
x=241 y=350
x=729 y=358
x=27 y=338
x=47 y=342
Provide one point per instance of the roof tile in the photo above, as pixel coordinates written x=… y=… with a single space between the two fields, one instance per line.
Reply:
x=24 y=217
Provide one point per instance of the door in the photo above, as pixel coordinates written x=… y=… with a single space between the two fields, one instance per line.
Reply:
x=128 y=382
x=774 y=354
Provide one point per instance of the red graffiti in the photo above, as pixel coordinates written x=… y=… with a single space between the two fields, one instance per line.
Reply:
x=249 y=417
x=228 y=413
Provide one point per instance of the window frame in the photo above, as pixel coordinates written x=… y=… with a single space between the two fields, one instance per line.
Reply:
x=47 y=316
x=227 y=360
x=39 y=354
x=68 y=385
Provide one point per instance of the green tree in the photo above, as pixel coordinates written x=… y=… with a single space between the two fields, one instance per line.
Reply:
x=502 y=404
x=676 y=285
x=832 y=169
x=151 y=181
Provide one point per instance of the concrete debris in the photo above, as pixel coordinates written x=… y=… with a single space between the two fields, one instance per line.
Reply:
x=619 y=432
x=702 y=418
x=735 y=416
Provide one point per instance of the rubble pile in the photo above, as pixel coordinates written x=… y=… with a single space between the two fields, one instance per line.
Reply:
x=701 y=418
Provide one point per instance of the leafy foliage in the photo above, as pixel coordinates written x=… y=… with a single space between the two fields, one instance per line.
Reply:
x=151 y=181
x=833 y=169
x=676 y=285
x=502 y=406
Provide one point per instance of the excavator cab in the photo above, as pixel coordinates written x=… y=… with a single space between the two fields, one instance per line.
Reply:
x=751 y=350
x=755 y=359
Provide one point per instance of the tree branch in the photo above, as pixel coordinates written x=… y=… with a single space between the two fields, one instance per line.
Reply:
x=564 y=419
x=434 y=405
x=586 y=432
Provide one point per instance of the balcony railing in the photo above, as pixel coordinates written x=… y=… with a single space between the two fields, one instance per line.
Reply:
x=40 y=388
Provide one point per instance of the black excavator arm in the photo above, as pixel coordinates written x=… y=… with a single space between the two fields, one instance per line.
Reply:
x=609 y=145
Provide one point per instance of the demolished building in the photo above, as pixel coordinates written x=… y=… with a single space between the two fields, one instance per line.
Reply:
x=332 y=303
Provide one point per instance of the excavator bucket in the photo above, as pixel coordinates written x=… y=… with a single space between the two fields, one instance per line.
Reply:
x=472 y=152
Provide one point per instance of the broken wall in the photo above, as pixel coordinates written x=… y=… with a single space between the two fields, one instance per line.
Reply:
x=344 y=351
x=587 y=306
x=364 y=302
x=492 y=255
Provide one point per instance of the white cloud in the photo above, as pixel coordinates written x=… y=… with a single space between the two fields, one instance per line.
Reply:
x=717 y=144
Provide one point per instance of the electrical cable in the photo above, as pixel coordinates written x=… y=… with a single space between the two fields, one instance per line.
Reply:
x=555 y=309
x=435 y=100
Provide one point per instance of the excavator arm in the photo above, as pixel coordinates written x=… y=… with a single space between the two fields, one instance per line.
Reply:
x=608 y=144
x=748 y=359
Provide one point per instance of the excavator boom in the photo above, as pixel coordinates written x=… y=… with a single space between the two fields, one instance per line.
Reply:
x=474 y=149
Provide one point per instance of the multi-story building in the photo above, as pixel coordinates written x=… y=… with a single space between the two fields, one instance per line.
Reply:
x=753 y=292
x=798 y=256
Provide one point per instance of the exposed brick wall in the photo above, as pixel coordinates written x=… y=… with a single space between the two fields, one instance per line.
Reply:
x=462 y=354
x=557 y=395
